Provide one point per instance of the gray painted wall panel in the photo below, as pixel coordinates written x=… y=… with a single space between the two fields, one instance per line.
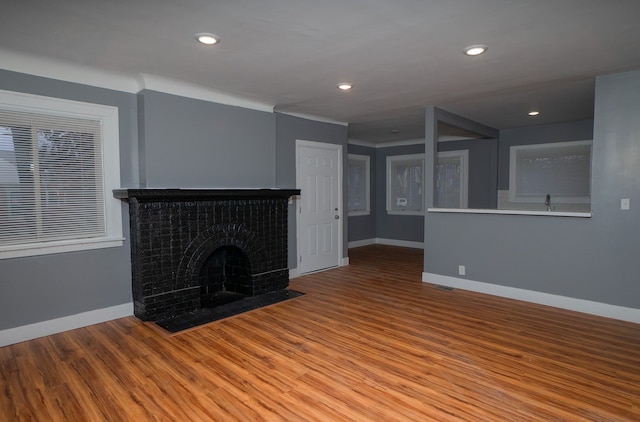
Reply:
x=52 y=286
x=34 y=289
x=593 y=259
x=191 y=143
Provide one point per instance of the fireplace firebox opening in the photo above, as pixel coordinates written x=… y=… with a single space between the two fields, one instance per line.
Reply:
x=225 y=277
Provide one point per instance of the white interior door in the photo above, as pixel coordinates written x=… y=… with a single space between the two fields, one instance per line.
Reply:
x=319 y=177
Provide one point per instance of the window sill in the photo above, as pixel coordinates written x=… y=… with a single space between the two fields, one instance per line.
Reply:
x=396 y=212
x=35 y=249
x=510 y=212
x=358 y=213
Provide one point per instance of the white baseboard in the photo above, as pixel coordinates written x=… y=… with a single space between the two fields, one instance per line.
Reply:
x=563 y=302
x=58 y=325
x=390 y=242
x=403 y=243
x=365 y=242
x=293 y=273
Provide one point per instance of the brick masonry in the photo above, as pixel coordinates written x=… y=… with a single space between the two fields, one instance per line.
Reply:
x=174 y=232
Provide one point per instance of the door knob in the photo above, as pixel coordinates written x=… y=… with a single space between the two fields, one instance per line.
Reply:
x=337 y=217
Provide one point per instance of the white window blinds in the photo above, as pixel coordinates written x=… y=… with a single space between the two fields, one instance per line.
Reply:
x=51 y=178
x=358 y=184
x=59 y=162
x=404 y=184
x=560 y=169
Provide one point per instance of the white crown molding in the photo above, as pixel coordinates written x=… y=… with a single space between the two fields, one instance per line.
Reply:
x=66 y=71
x=446 y=138
x=58 y=325
x=361 y=143
x=386 y=144
x=419 y=141
x=313 y=117
x=71 y=72
x=580 y=305
x=198 y=92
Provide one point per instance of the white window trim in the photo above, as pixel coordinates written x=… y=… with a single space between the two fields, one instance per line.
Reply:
x=108 y=116
x=463 y=156
x=558 y=199
x=390 y=160
x=367 y=184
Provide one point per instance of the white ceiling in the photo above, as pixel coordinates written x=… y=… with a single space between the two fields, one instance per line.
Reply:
x=401 y=55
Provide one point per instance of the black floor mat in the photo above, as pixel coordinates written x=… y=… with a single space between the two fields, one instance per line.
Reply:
x=206 y=315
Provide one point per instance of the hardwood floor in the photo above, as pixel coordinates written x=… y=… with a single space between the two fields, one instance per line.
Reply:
x=368 y=342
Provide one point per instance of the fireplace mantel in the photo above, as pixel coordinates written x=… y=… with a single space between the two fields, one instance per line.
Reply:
x=200 y=194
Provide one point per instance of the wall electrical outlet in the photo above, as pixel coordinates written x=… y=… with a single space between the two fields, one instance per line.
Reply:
x=461 y=270
x=625 y=204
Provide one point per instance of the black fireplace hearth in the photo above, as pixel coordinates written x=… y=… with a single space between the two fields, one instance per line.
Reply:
x=195 y=249
x=220 y=311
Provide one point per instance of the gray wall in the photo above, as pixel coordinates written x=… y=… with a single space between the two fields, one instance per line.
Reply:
x=483 y=170
x=34 y=289
x=288 y=130
x=188 y=143
x=397 y=227
x=560 y=132
x=586 y=258
x=363 y=227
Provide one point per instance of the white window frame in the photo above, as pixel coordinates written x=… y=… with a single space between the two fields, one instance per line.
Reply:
x=515 y=196
x=398 y=159
x=463 y=158
x=108 y=118
x=367 y=184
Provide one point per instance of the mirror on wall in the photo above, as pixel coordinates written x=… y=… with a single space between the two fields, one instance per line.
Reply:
x=538 y=168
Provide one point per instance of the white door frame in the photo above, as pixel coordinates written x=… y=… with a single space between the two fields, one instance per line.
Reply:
x=320 y=145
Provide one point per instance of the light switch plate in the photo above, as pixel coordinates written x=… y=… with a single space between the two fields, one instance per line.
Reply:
x=625 y=204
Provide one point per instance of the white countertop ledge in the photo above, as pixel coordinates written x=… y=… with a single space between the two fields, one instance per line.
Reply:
x=511 y=212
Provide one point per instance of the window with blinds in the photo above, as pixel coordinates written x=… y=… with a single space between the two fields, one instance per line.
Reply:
x=452 y=179
x=53 y=189
x=358 y=185
x=560 y=169
x=404 y=184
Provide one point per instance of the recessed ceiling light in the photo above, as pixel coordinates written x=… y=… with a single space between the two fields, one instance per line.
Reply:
x=533 y=113
x=345 y=86
x=207 y=38
x=475 y=50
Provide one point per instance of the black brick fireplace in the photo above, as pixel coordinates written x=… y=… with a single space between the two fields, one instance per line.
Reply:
x=195 y=248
